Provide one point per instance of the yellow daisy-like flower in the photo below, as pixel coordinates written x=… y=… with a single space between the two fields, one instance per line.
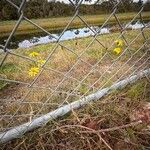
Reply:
x=34 y=54
x=117 y=50
x=41 y=61
x=119 y=42
x=33 y=71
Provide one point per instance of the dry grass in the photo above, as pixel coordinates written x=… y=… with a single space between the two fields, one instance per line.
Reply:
x=105 y=124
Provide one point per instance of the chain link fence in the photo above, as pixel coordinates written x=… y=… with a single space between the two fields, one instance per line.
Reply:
x=45 y=83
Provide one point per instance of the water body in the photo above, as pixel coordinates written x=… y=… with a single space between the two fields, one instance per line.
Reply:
x=26 y=41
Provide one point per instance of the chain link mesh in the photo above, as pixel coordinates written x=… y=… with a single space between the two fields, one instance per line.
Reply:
x=69 y=72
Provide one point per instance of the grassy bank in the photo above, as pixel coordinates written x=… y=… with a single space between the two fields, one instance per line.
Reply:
x=78 y=130
x=17 y=69
x=59 y=23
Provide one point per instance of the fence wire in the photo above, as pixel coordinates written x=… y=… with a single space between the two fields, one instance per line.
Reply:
x=72 y=69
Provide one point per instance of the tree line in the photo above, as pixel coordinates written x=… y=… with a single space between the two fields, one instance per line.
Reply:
x=53 y=8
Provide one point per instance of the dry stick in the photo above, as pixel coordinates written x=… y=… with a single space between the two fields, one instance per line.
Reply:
x=105 y=142
x=90 y=130
x=115 y=128
x=100 y=131
x=88 y=142
x=17 y=147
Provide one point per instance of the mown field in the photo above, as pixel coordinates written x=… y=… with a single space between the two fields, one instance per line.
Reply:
x=59 y=23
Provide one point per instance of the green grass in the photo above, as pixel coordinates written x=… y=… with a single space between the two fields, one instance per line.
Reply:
x=8 y=69
x=17 y=68
x=59 y=23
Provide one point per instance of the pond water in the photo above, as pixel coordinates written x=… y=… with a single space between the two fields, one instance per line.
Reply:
x=26 y=41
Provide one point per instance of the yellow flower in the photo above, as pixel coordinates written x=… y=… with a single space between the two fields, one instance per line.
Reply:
x=41 y=61
x=117 y=50
x=34 y=54
x=33 y=71
x=119 y=42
